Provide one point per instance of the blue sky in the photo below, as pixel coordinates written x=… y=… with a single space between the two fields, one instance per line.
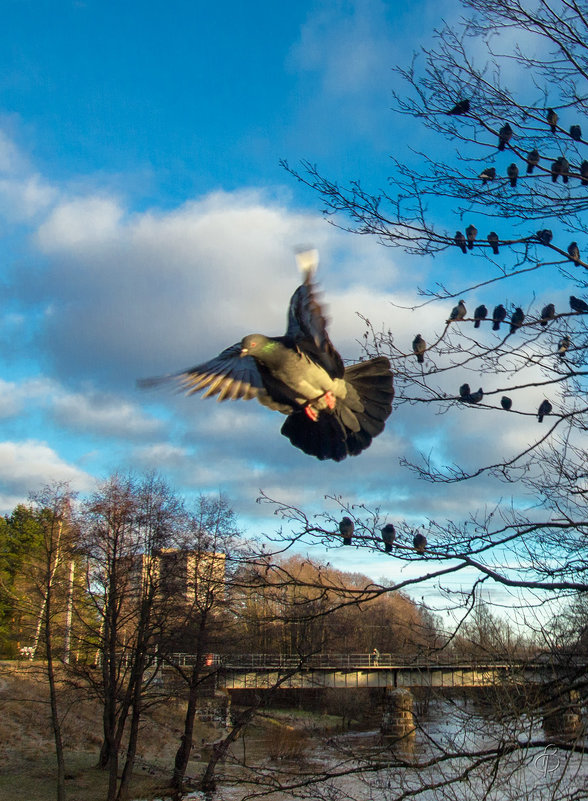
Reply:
x=146 y=224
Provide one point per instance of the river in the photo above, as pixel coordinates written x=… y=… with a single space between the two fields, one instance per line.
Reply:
x=362 y=766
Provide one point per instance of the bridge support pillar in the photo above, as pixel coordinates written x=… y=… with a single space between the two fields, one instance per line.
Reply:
x=398 y=716
x=563 y=716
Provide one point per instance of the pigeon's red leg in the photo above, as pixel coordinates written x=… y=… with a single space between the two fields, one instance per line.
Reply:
x=330 y=399
x=311 y=412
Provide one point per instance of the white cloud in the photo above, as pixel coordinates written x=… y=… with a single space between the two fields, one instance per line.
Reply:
x=28 y=465
x=104 y=415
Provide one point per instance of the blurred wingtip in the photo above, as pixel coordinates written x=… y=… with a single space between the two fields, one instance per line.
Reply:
x=307 y=259
x=151 y=383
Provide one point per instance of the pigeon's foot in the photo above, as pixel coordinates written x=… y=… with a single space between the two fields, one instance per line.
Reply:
x=330 y=399
x=311 y=412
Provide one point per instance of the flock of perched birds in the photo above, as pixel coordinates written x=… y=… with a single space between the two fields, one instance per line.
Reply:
x=347 y=527
x=459 y=312
x=465 y=243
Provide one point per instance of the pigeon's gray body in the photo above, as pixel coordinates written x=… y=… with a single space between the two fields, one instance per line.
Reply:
x=333 y=411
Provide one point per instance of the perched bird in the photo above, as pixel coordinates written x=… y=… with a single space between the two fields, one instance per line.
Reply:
x=584 y=173
x=458 y=312
x=464 y=392
x=574 y=252
x=332 y=411
x=471 y=234
x=419 y=346
x=516 y=319
x=493 y=239
x=504 y=136
x=462 y=107
x=578 y=305
x=480 y=314
x=388 y=536
x=556 y=169
x=506 y=403
x=476 y=397
x=565 y=169
x=563 y=346
x=545 y=236
x=552 y=119
x=488 y=174
x=346 y=528
x=547 y=313
x=532 y=160
x=544 y=408
x=576 y=133
x=498 y=316
x=420 y=543
x=513 y=173
x=460 y=241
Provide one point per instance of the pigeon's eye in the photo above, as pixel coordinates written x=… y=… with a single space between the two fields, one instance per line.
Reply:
x=253 y=344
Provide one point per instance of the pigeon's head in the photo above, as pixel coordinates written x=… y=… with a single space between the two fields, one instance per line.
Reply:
x=258 y=346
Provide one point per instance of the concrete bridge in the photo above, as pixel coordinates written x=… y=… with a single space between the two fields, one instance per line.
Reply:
x=353 y=671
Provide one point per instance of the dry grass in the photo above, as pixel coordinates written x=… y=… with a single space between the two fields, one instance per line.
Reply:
x=27 y=752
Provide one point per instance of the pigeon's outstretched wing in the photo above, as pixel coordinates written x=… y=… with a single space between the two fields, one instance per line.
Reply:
x=228 y=375
x=307 y=321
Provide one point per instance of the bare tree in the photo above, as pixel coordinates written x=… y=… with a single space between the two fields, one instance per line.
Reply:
x=126 y=523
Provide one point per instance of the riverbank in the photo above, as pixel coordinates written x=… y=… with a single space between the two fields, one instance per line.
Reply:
x=27 y=751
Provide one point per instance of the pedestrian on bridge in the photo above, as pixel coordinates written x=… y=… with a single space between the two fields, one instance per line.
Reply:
x=375 y=657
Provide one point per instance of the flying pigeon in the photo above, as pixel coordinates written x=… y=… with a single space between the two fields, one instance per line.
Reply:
x=574 y=252
x=346 y=528
x=504 y=136
x=552 y=119
x=493 y=239
x=544 y=409
x=464 y=392
x=488 y=174
x=545 y=236
x=471 y=234
x=578 y=305
x=388 y=536
x=513 y=173
x=516 y=320
x=480 y=314
x=498 y=316
x=460 y=108
x=420 y=543
x=547 y=313
x=458 y=312
x=476 y=397
x=419 y=346
x=563 y=346
x=332 y=411
x=584 y=173
x=576 y=133
x=506 y=403
x=532 y=160
x=460 y=241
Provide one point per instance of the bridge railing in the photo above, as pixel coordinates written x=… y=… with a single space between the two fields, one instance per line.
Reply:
x=332 y=661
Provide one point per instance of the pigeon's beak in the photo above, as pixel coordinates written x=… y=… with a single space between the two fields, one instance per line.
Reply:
x=244 y=352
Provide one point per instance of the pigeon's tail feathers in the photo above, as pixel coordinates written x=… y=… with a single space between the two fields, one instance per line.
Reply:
x=356 y=419
x=307 y=260
x=420 y=358
x=324 y=438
